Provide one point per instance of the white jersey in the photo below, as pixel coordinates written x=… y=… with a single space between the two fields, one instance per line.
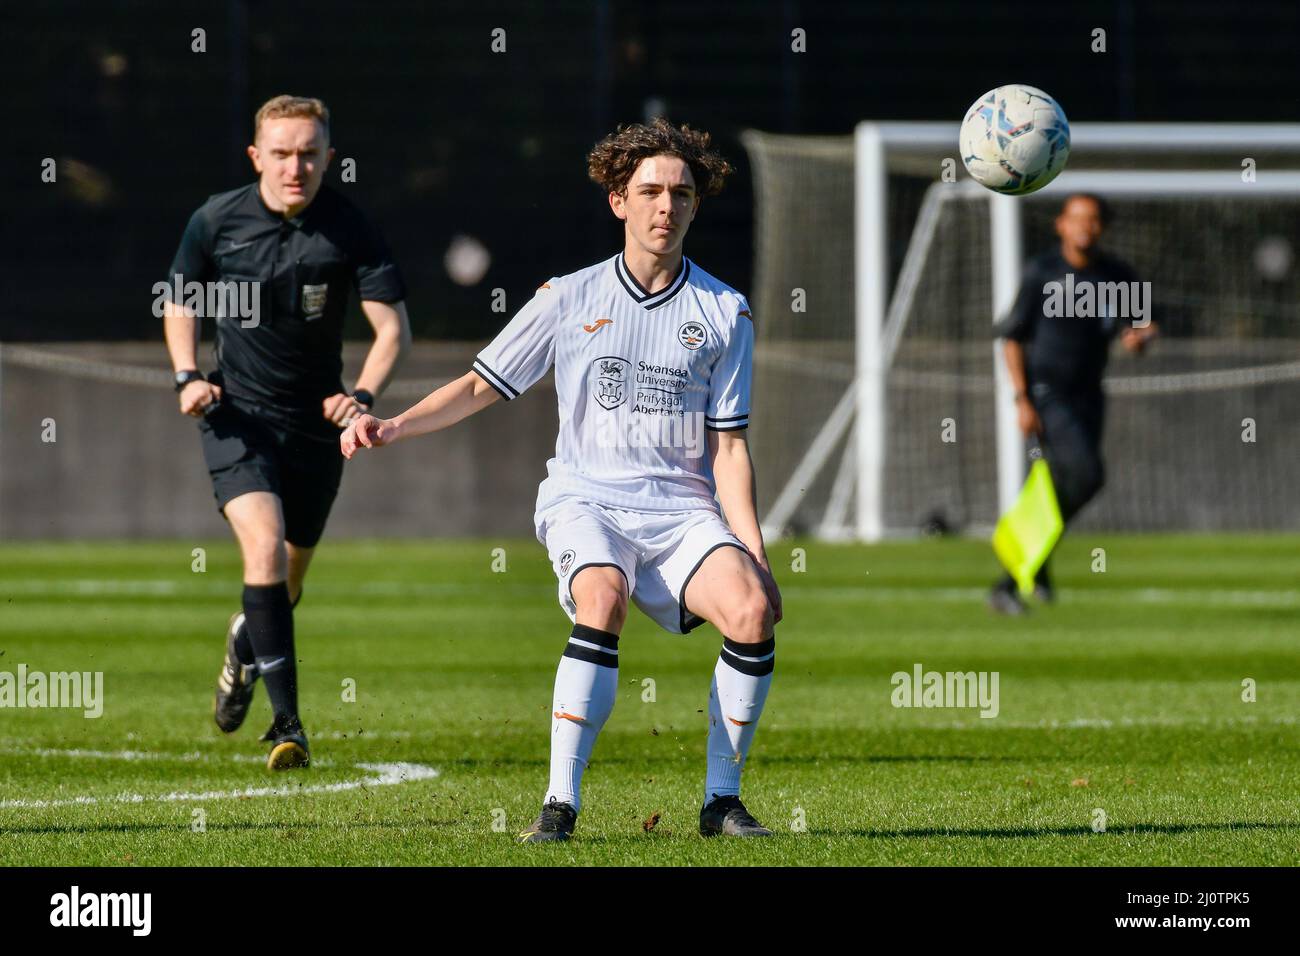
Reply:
x=640 y=378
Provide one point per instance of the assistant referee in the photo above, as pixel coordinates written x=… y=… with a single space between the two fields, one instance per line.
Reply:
x=270 y=414
x=1056 y=362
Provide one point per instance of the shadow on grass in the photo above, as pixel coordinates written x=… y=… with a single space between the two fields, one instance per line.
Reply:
x=893 y=758
x=641 y=761
x=1020 y=833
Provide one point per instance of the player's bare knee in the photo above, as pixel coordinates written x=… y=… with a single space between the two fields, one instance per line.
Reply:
x=603 y=603
x=749 y=620
x=265 y=560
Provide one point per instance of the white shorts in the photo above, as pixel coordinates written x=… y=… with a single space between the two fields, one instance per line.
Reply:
x=658 y=552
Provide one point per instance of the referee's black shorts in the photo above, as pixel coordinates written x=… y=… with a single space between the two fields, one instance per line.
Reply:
x=1072 y=430
x=246 y=452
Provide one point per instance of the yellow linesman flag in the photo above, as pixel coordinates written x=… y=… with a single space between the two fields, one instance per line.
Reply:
x=1026 y=534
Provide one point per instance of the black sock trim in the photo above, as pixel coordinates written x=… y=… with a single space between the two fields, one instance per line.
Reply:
x=580 y=653
x=594 y=635
x=747 y=666
x=761 y=649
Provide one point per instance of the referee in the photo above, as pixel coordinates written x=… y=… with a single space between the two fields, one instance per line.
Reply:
x=269 y=415
x=1056 y=358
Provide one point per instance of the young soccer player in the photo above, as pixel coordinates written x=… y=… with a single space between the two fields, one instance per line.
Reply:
x=652 y=360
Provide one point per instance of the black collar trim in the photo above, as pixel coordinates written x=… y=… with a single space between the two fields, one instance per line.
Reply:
x=638 y=292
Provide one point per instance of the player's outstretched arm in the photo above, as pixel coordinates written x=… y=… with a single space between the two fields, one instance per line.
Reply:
x=439 y=409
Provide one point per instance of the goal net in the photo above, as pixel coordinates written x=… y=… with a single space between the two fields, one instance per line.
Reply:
x=881 y=405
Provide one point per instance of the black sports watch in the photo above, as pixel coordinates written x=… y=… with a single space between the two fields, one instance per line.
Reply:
x=363 y=397
x=185 y=376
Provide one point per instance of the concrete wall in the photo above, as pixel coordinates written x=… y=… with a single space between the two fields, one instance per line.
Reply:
x=126 y=464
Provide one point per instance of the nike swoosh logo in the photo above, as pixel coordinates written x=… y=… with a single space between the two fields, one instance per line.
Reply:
x=270 y=665
x=599 y=323
x=235 y=246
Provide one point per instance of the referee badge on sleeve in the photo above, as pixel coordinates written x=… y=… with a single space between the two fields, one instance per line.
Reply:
x=313 y=300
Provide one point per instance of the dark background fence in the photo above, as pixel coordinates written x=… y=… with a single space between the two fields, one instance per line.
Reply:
x=450 y=138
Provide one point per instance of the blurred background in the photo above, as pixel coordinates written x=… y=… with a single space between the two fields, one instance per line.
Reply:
x=472 y=164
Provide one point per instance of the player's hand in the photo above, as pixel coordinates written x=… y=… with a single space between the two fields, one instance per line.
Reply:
x=1135 y=340
x=1030 y=424
x=770 y=588
x=367 y=431
x=342 y=408
x=197 y=396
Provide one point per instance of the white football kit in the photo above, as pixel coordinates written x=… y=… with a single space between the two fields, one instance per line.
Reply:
x=640 y=378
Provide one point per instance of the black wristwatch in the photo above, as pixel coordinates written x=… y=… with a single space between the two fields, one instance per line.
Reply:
x=363 y=397
x=185 y=376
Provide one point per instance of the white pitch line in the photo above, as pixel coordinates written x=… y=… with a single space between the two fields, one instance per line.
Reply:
x=82 y=753
x=381 y=775
x=163 y=587
x=193 y=756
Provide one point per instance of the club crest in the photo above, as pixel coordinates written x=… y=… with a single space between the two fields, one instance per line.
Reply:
x=611 y=380
x=692 y=335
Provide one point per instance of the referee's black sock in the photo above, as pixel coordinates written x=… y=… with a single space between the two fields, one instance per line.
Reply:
x=268 y=616
x=243 y=646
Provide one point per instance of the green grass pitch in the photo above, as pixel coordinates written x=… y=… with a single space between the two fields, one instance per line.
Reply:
x=1125 y=699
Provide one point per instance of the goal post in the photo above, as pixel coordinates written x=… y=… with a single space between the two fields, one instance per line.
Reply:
x=913 y=234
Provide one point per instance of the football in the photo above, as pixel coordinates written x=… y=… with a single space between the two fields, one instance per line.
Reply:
x=1015 y=139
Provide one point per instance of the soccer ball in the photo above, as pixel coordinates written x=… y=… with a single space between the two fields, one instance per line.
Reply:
x=1015 y=139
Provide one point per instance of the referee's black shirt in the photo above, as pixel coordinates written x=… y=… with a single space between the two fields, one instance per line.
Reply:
x=1066 y=353
x=307 y=266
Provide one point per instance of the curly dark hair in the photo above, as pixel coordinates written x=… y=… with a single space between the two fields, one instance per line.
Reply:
x=616 y=157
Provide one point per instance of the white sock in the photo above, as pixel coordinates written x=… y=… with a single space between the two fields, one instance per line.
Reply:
x=740 y=683
x=585 y=684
